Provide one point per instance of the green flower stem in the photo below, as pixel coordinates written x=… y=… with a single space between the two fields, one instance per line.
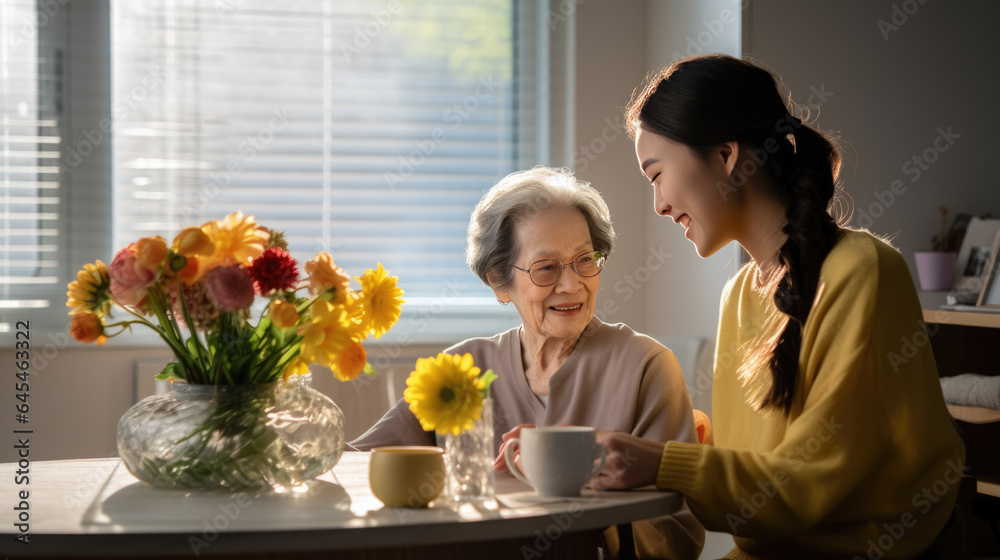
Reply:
x=290 y=354
x=193 y=373
x=306 y=305
x=175 y=346
x=234 y=352
x=125 y=326
x=202 y=351
x=162 y=306
x=277 y=360
x=239 y=420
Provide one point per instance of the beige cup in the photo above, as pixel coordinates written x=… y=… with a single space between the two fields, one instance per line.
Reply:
x=557 y=460
x=406 y=476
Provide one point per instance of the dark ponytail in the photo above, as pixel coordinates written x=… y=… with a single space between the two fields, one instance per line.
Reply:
x=705 y=101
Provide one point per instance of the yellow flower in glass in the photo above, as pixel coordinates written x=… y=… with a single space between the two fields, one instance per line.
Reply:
x=382 y=300
x=446 y=393
x=91 y=291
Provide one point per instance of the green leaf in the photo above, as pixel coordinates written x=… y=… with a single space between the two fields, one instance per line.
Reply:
x=192 y=345
x=173 y=370
x=488 y=378
x=370 y=370
x=263 y=326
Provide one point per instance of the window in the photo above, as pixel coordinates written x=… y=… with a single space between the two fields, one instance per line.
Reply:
x=368 y=129
x=30 y=224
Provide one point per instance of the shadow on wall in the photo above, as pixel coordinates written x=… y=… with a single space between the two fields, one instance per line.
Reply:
x=695 y=356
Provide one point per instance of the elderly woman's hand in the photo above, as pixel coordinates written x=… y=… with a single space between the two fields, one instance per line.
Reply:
x=632 y=461
x=500 y=463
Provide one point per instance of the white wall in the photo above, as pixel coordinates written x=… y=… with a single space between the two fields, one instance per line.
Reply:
x=610 y=62
x=655 y=280
x=687 y=302
x=890 y=96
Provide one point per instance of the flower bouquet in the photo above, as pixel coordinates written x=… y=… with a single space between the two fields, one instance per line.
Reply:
x=239 y=414
x=450 y=395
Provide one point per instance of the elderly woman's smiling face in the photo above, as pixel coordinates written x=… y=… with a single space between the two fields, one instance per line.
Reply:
x=563 y=309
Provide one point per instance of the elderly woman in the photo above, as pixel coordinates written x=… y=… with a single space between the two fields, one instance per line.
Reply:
x=539 y=239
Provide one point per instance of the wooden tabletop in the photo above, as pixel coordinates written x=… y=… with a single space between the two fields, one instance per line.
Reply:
x=97 y=506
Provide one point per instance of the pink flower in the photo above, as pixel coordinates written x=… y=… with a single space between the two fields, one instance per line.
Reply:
x=229 y=288
x=204 y=315
x=129 y=278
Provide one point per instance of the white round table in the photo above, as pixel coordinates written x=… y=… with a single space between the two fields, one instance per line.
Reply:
x=95 y=507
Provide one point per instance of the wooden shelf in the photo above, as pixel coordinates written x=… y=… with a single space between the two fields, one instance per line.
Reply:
x=963 y=318
x=974 y=415
x=988 y=487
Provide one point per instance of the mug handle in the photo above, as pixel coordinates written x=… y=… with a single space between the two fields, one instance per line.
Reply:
x=508 y=456
x=604 y=457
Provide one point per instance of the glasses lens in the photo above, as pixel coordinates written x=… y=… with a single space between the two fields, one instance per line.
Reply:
x=590 y=264
x=545 y=273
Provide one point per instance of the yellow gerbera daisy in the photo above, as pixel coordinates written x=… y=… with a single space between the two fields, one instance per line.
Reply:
x=91 y=291
x=236 y=238
x=326 y=335
x=382 y=300
x=353 y=306
x=444 y=393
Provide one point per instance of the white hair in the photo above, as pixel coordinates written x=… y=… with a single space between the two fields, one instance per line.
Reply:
x=492 y=240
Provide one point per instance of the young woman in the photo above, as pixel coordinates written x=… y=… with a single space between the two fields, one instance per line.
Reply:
x=831 y=434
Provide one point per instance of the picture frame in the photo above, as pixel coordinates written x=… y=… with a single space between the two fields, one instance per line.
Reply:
x=989 y=296
x=975 y=256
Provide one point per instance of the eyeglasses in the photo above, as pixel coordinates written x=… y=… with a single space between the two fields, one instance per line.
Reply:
x=547 y=272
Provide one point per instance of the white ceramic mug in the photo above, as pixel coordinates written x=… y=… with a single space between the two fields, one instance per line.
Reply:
x=557 y=460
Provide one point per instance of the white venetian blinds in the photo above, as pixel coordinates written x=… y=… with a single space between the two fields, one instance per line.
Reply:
x=369 y=129
x=31 y=205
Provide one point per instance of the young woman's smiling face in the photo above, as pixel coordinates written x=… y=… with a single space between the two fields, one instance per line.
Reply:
x=693 y=190
x=564 y=309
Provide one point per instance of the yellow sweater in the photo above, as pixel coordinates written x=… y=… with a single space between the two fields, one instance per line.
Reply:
x=868 y=461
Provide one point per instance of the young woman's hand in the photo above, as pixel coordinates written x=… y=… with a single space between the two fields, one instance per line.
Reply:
x=632 y=462
x=500 y=463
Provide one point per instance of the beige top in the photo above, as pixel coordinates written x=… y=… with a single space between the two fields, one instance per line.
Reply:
x=615 y=379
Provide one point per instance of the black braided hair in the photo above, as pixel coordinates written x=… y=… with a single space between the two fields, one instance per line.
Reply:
x=705 y=101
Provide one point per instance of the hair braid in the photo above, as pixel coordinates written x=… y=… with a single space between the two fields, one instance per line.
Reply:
x=807 y=178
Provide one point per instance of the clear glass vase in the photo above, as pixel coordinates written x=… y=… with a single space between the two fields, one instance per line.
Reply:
x=469 y=461
x=232 y=437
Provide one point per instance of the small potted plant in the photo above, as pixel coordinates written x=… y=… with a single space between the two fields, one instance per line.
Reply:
x=935 y=268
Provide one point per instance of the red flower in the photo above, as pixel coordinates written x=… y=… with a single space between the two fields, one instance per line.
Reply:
x=274 y=271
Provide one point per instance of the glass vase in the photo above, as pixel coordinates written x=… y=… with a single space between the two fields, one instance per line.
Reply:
x=469 y=461
x=232 y=437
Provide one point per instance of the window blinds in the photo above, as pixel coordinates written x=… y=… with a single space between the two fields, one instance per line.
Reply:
x=30 y=199
x=368 y=129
